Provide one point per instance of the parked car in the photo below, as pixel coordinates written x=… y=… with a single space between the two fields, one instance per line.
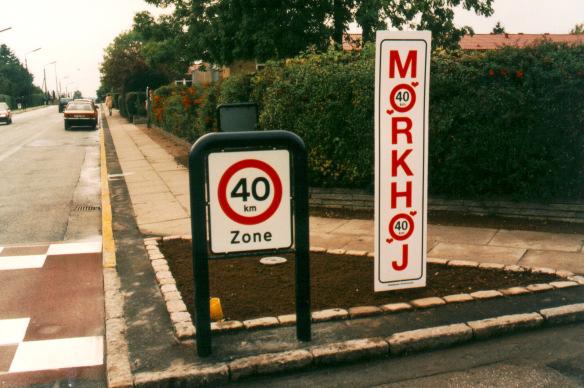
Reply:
x=63 y=101
x=5 y=113
x=80 y=114
x=87 y=100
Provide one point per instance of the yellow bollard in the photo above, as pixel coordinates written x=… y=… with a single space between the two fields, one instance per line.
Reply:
x=216 y=310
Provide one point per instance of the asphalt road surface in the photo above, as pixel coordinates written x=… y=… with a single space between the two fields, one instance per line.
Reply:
x=50 y=180
x=51 y=303
x=543 y=358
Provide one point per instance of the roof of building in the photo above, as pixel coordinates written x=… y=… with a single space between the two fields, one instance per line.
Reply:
x=495 y=41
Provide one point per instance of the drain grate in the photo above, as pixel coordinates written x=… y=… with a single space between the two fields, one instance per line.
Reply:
x=87 y=208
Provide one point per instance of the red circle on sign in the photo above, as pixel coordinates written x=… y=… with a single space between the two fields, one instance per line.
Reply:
x=395 y=90
x=397 y=218
x=222 y=191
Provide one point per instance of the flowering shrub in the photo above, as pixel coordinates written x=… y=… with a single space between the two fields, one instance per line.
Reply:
x=506 y=123
x=183 y=111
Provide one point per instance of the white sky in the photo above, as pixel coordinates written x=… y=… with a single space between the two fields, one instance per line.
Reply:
x=74 y=33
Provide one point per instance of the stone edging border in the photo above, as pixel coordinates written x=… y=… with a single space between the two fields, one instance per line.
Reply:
x=185 y=330
x=361 y=349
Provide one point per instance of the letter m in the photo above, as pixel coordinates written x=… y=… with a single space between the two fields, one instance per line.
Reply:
x=395 y=62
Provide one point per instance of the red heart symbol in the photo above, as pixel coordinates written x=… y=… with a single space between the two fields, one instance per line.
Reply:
x=389 y=112
x=389 y=240
x=413 y=213
x=415 y=83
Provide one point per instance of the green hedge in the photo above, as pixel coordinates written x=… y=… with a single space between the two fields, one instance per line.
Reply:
x=134 y=104
x=504 y=124
x=187 y=112
x=7 y=99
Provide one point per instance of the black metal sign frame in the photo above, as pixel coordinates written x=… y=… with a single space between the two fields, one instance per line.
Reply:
x=198 y=181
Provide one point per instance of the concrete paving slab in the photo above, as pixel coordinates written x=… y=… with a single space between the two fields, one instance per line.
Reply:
x=326 y=225
x=150 y=213
x=538 y=240
x=153 y=199
x=554 y=259
x=459 y=234
x=328 y=240
x=480 y=253
x=185 y=202
x=167 y=166
x=137 y=188
x=356 y=227
x=137 y=165
x=167 y=228
x=359 y=244
x=141 y=176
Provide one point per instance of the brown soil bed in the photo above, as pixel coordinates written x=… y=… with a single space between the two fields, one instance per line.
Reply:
x=249 y=289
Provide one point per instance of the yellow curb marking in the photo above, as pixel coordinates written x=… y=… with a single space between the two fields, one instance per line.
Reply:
x=109 y=245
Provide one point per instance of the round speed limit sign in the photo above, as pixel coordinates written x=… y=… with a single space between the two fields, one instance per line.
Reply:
x=249 y=200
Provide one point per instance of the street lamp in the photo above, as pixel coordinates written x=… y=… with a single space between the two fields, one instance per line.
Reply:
x=6 y=29
x=30 y=52
x=45 y=74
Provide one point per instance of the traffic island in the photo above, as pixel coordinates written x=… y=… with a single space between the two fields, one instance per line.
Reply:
x=256 y=296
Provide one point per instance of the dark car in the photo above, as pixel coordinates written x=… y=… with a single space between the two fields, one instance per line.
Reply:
x=80 y=114
x=63 y=103
x=5 y=113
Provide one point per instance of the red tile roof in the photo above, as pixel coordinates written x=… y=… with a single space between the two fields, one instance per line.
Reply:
x=495 y=41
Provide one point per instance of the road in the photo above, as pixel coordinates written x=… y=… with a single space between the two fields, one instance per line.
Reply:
x=51 y=304
x=543 y=358
x=50 y=177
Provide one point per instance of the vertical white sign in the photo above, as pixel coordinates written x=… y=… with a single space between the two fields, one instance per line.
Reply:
x=402 y=80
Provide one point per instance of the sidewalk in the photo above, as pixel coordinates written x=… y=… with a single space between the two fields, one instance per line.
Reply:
x=158 y=188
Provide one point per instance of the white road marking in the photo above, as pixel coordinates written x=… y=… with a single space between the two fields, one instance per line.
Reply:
x=75 y=248
x=21 y=262
x=12 y=331
x=57 y=354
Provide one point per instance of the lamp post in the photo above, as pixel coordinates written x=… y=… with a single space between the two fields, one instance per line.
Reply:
x=5 y=29
x=30 y=52
x=45 y=75
x=27 y=90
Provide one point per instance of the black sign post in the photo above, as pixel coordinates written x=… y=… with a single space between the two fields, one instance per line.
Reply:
x=198 y=181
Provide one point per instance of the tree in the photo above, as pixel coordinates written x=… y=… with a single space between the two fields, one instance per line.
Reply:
x=124 y=67
x=77 y=94
x=578 y=29
x=15 y=80
x=498 y=29
x=223 y=31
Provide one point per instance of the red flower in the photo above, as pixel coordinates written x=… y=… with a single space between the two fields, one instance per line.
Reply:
x=504 y=72
x=519 y=74
x=491 y=73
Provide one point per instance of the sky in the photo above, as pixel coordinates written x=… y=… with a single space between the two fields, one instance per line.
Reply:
x=74 y=33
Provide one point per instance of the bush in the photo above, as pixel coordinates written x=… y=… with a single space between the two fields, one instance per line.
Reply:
x=37 y=99
x=122 y=105
x=134 y=103
x=504 y=124
x=7 y=99
x=508 y=123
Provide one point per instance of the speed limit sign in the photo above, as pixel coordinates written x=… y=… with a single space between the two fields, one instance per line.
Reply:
x=249 y=201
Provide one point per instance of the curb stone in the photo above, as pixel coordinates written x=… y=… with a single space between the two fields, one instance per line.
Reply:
x=119 y=372
x=269 y=363
x=349 y=351
x=490 y=327
x=186 y=375
x=564 y=314
x=430 y=338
